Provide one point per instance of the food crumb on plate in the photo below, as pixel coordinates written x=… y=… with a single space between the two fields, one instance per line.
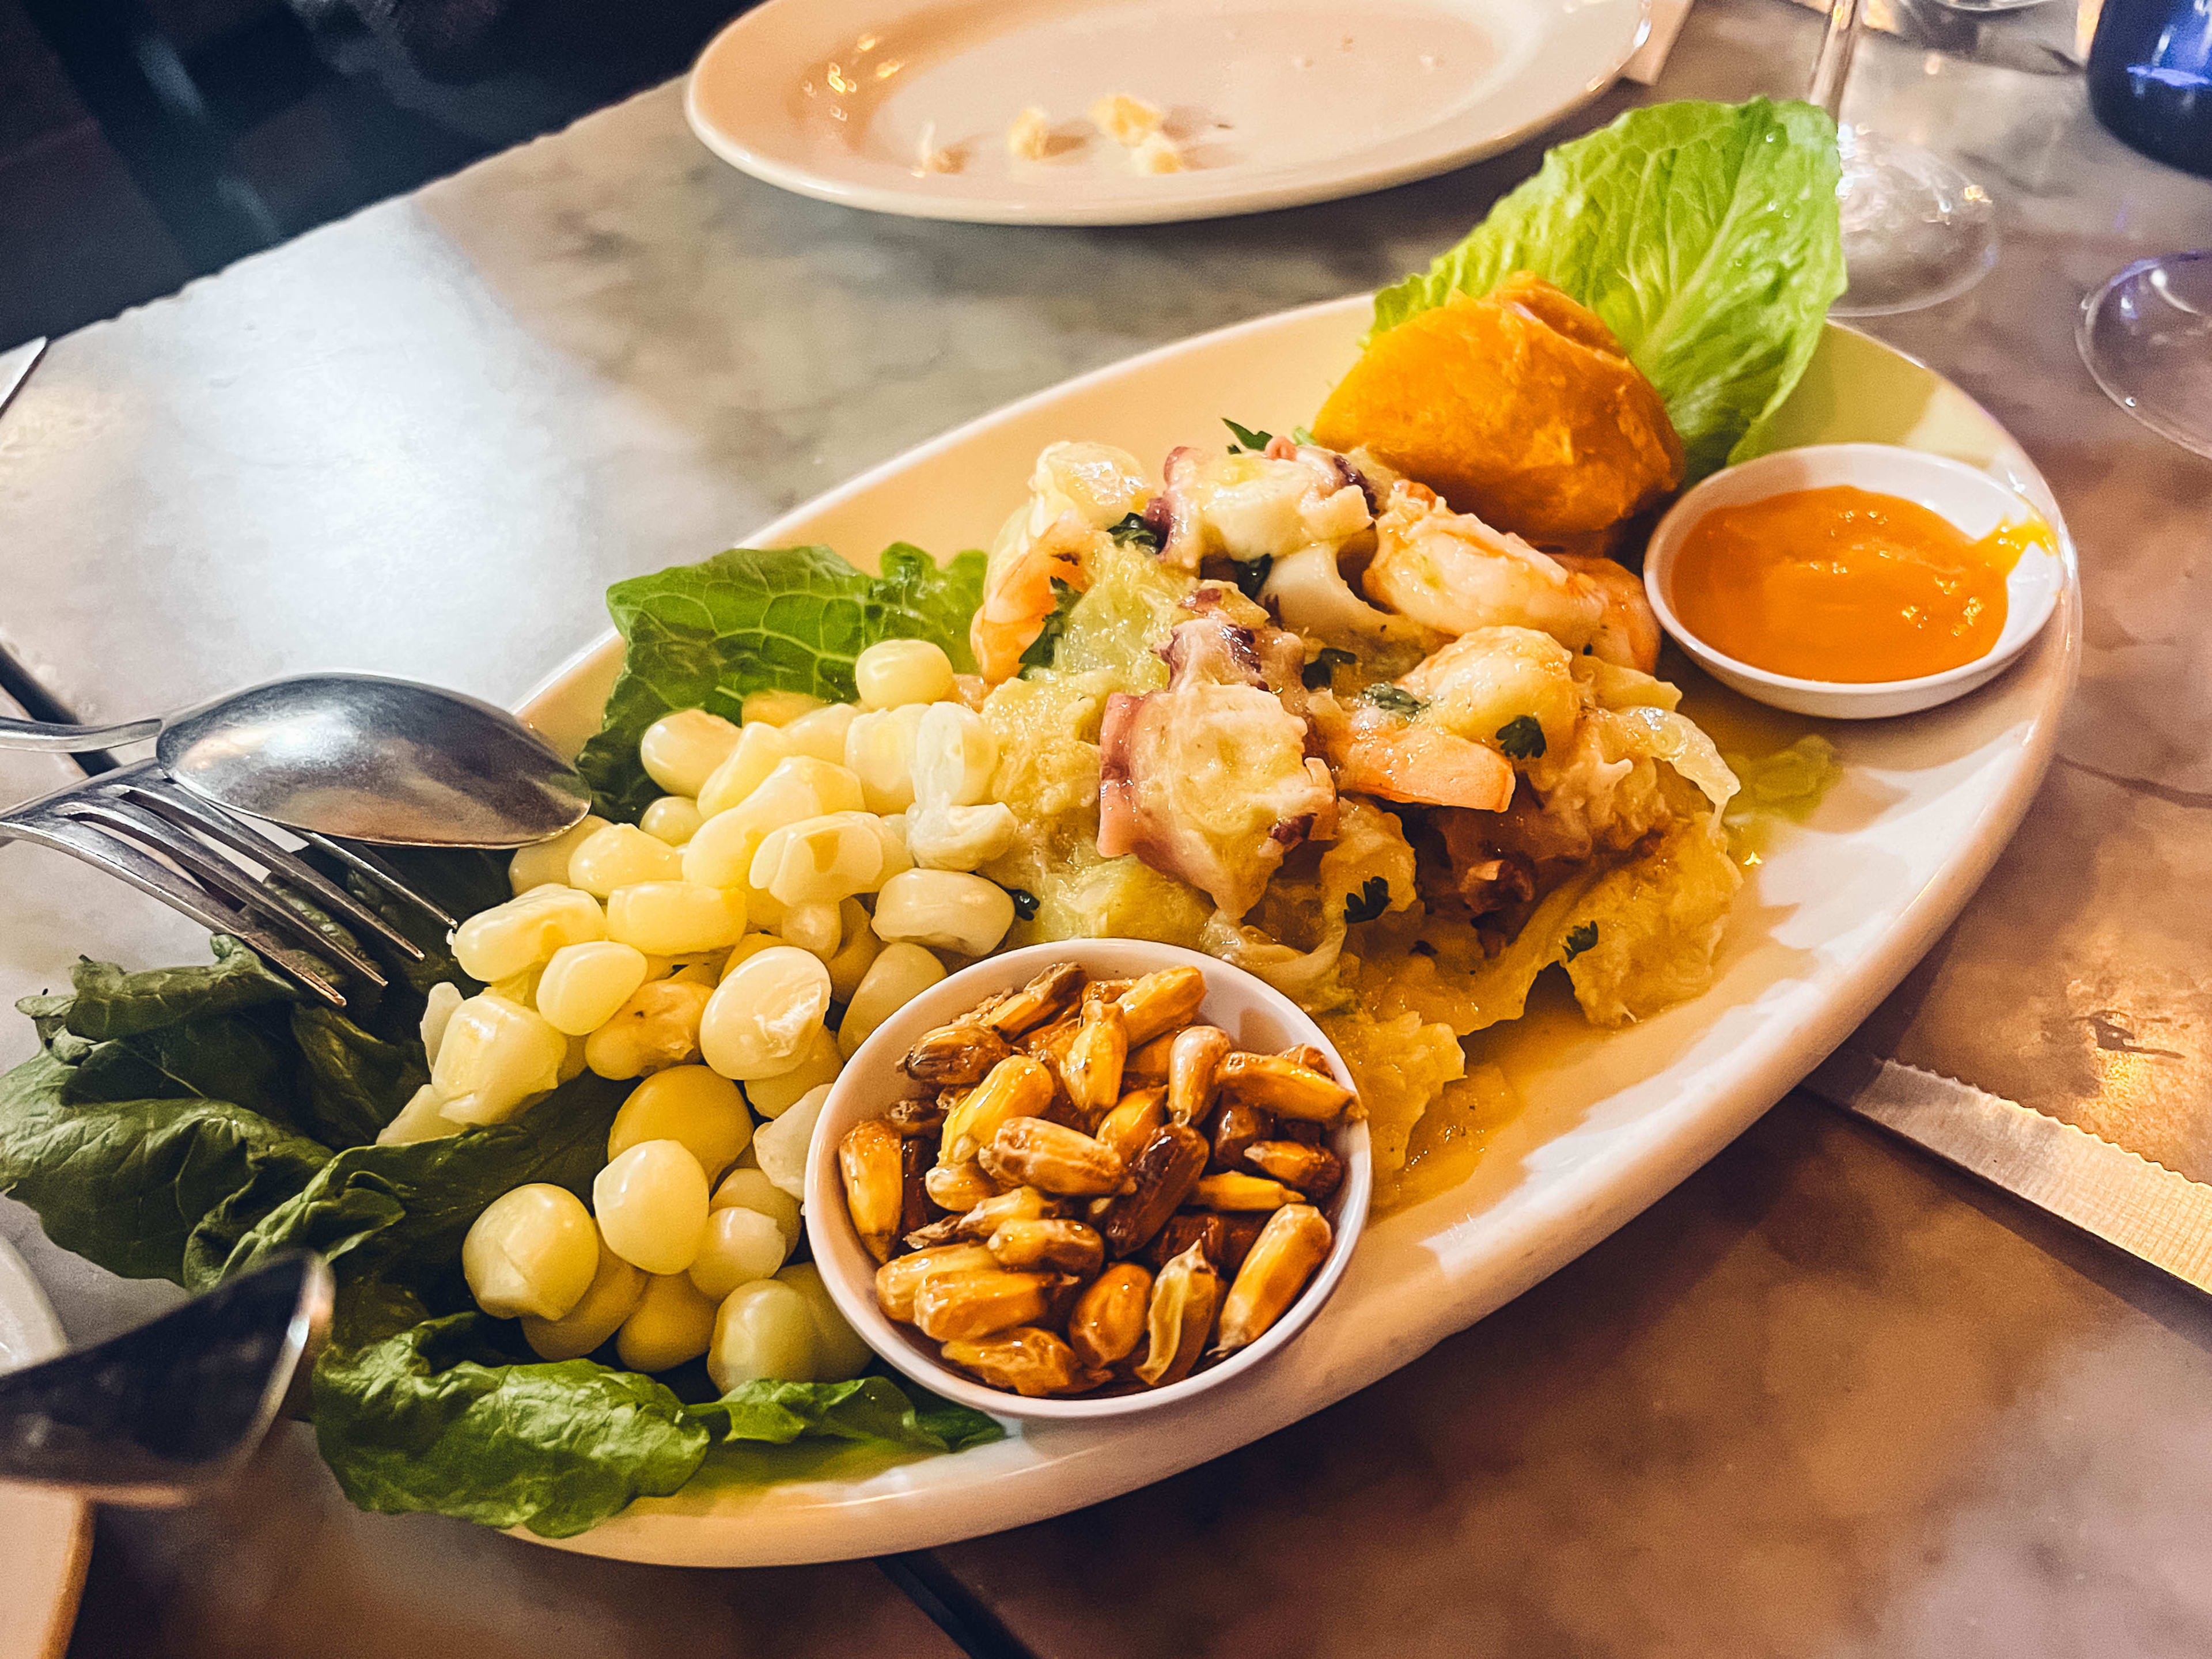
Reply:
x=1127 y=121
x=1030 y=137
x=928 y=158
x=1158 y=153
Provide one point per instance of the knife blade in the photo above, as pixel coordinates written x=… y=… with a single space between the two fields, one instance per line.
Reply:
x=2144 y=1208
x=16 y=367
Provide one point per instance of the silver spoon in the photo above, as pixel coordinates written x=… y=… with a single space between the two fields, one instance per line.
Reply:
x=355 y=755
x=161 y=1415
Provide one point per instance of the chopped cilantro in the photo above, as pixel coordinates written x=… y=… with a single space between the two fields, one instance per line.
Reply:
x=1025 y=902
x=1393 y=699
x=1134 y=531
x=1580 y=940
x=1522 y=738
x=1322 y=669
x=1301 y=434
x=1039 y=655
x=1253 y=576
x=1372 y=899
x=1246 y=437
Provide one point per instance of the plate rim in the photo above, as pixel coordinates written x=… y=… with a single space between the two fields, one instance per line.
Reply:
x=22 y=1296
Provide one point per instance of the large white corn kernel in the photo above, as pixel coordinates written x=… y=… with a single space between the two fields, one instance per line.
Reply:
x=879 y=751
x=781 y=1145
x=548 y=861
x=681 y=750
x=760 y=1018
x=899 y=974
x=838 y=1353
x=763 y=1330
x=856 y=950
x=891 y=832
x=800 y=787
x=821 y=731
x=776 y=707
x=746 y=949
x=672 y=818
x=815 y=928
x=959 y=837
x=894 y=672
x=944 y=908
x=585 y=985
x=750 y=1189
x=576 y=1061
x=760 y=749
x=438 y=1008
x=691 y=1105
x=741 y=1245
x=954 y=756
x=496 y=1055
x=657 y=1028
x=820 y=860
x=620 y=854
x=820 y=1062
x=614 y=1294
x=672 y=1323
x=532 y=1251
x=677 y=918
x=651 y=1206
x=511 y=937
x=421 y=1119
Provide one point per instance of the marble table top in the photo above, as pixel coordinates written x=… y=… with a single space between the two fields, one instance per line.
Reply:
x=1825 y=1399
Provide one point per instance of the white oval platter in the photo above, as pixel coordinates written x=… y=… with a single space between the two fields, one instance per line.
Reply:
x=1273 y=102
x=1827 y=923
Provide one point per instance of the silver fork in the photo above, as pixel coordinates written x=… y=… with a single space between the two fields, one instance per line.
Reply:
x=138 y=825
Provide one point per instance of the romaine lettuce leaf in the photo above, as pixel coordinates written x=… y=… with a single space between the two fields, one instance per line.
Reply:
x=1706 y=235
x=704 y=636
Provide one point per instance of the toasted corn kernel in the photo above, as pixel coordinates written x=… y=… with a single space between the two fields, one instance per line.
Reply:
x=962 y=1052
x=1104 y=990
x=1148 y=1062
x=1313 y=1171
x=916 y=1117
x=1028 y=1360
x=1237 y=1126
x=1276 y=1085
x=1044 y=999
x=948 y=1306
x=1306 y=1054
x=1184 y=1297
x=1067 y=1247
x=1108 y=1319
x=1291 y=1246
x=1228 y=1238
x=1131 y=1123
x=1092 y=1070
x=1159 y=1002
x=1017 y=1086
x=960 y=1188
x=1049 y=1043
x=869 y=1159
x=1021 y=1204
x=1053 y=1159
x=1195 y=1055
x=897 y=1279
x=1235 y=1190
x=916 y=1159
x=1162 y=1174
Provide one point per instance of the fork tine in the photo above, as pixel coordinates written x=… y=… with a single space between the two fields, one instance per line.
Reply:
x=160 y=795
x=210 y=869
x=376 y=871
x=101 y=848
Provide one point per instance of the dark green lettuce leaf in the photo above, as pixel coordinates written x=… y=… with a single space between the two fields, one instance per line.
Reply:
x=1706 y=235
x=866 y=1409
x=704 y=635
x=112 y=1003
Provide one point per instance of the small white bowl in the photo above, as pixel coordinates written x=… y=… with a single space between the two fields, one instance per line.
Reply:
x=1974 y=501
x=1251 y=1011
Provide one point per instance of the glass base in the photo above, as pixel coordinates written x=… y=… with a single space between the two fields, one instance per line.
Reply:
x=1916 y=231
x=2146 y=337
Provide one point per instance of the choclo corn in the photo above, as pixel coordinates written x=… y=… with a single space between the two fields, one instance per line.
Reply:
x=750 y=1189
x=532 y=1251
x=820 y=860
x=894 y=673
x=820 y=1062
x=857 y=949
x=420 y=1119
x=879 y=751
x=651 y=1206
x=495 y=1055
x=698 y=1109
x=584 y=985
x=815 y=929
x=946 y=908
x=781 y=1145
x=840 y=1351
x=438 y=1008
x=614 y=1292
x=681 y=750
x=763 y=1329
x=746 y=949
x=821 y=733
x=620 y=854
x=899 y=974
x=672 y=818
x=776 y=707
x=547 y=861
x=797 y=787
x=512 y=938
x=761 y=1018
x=954 y=755
x=672 y=1322
x=741 y=1245
x=656 y=1028
x=759 y=749
x=676 y=918
x=959 y=837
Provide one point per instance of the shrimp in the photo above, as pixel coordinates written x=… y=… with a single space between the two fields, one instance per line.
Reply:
x=1451 y=572
x=1078 y=492
x=1374 y=752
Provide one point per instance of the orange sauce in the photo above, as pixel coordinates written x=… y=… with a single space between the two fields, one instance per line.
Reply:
x=1844 y=584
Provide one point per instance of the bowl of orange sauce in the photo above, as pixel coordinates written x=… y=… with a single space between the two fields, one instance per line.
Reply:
x=1853 y=580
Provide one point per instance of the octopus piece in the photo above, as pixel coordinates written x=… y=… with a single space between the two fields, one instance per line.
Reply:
x=1232 y=642
x=1247 y=506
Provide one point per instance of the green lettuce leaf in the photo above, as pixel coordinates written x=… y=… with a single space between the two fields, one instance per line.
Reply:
x=793 y=619
x=866 y=1409
x=1706 y=235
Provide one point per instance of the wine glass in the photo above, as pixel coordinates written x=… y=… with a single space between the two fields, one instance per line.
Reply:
x=1916 y=231
x=2146 y=337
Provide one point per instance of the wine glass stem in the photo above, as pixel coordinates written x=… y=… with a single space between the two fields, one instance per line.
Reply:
x=1832 y=68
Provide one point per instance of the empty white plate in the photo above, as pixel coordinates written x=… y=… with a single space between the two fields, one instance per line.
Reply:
x=1272 y=102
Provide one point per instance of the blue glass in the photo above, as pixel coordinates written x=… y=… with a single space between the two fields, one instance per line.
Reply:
x=2150 y=78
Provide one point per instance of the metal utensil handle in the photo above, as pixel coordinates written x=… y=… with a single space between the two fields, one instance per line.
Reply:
x=1832 y=68
x=71 y=739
